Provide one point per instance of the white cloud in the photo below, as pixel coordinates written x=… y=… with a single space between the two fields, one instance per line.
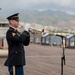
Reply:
x=38 y=4
x=63 y=2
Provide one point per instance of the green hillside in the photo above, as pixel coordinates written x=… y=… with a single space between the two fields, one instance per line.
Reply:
x=54 y=18
x=48 y=17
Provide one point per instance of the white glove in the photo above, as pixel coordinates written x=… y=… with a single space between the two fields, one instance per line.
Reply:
x=27 y=27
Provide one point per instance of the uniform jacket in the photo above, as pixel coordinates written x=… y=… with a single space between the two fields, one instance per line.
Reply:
x=16 y=43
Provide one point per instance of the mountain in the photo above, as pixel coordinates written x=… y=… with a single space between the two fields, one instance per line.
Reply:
x=48 y=17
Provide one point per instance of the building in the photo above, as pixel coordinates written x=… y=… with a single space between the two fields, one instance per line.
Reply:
x=3 y=24
x=3 y=29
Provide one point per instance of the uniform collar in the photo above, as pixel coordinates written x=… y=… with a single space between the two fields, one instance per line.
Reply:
x=12 y=27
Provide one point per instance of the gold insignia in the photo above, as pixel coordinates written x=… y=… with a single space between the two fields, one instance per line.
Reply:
x=13 y=34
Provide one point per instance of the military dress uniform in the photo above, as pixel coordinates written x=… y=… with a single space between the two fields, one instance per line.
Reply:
x=16 y=54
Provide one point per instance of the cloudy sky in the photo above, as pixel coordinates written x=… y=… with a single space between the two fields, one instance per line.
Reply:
x=14 y=5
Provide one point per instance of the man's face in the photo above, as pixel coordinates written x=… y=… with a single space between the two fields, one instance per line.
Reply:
x=14 y=23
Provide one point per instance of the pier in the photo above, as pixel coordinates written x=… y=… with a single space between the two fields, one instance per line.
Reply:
x=44 y=60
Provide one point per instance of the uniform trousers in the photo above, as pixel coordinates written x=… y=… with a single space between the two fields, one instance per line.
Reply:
x=18 y=70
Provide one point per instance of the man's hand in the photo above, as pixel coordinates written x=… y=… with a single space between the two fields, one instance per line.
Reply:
x=27 y=27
